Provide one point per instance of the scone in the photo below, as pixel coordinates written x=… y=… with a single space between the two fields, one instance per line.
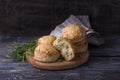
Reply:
x=46 y=53
x=81 y=46
x=65 y=47
x=73 y=32
x=48 y=39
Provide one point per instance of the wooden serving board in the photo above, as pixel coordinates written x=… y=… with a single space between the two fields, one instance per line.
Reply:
x=59 y=65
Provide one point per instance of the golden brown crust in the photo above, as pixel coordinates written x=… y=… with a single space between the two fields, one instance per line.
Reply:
x=48 y=39
x=46 y=53
x=73 y=32
x=81 y=46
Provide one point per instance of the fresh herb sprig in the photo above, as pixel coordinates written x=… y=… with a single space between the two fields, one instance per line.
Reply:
x=19 y=51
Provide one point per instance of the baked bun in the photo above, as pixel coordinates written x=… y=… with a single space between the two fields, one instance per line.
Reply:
x=65 y=47
x=73 y=32
x=46 y=53
x=48 y=39
x=81 y=46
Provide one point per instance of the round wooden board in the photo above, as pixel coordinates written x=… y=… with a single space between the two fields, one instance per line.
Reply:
x=59 y=65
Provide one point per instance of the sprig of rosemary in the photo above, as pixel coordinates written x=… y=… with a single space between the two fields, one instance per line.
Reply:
x=19 y=51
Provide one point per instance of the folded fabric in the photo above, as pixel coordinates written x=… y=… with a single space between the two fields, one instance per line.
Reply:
x=93 y=37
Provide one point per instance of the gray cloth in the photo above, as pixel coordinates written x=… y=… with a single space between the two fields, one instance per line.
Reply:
x=93 y=37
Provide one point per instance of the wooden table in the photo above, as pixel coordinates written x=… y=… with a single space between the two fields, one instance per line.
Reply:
x=103 y=64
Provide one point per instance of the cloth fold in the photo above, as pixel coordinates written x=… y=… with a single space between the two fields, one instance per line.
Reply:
x=92 y=36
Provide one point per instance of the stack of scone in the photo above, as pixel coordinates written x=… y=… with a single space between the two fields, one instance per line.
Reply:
x=45 y=51
x=71 y=43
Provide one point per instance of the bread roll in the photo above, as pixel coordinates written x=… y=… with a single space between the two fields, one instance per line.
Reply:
x=46 y=53
x=73 y=32
x=48 y=39
x=65 y=47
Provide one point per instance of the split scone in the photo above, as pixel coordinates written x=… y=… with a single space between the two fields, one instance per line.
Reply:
x=48 y=39
x=81 y=46
x=74 y=32
x=65 y=47
x=46 y=53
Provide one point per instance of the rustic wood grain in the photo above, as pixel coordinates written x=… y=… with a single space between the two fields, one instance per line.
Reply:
x=21 y=17
x=100 y=68
x=103 y=64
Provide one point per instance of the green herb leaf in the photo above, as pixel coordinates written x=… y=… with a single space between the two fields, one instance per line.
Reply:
x=19 y=51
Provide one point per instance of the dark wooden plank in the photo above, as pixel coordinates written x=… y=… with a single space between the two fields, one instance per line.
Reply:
x=101 y=68
x=94 y=63
x=103 y=64
x=84 y=75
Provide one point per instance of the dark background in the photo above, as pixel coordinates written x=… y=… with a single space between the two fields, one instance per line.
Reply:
x=38 y=17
